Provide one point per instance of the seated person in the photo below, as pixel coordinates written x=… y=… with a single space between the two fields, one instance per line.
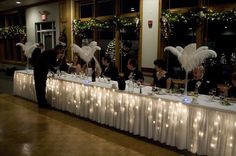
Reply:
x=160 y=77
x=199 y=83
x=232 y=89
x=134 y=73
x=62 y=62
x=109 y=70
x=76 y=65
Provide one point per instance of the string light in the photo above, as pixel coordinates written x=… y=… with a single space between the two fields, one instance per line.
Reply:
x=111 y=108
x=201 y=134
x=212 y=145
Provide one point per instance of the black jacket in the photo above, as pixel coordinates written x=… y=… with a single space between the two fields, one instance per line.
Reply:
x=63 y=65
x=162 y=81
x=111 y=71
x=35 y=56
x=232 y=92
x=135 y=75
x=47 y=61
x=203 y=86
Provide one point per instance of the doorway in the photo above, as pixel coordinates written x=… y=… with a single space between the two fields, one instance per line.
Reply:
x=46 y=34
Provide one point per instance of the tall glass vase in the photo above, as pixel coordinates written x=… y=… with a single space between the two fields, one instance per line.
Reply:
x=27 y=64
x=186 y=84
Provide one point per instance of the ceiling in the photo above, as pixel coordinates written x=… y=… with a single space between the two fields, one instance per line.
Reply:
x=11 y=4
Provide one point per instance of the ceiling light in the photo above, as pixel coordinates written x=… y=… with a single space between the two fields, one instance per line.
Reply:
x=18 y=2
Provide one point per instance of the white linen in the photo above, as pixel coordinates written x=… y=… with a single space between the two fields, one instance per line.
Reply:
x=206 y=127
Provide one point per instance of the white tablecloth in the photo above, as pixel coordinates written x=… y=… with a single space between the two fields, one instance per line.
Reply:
x=205 y=127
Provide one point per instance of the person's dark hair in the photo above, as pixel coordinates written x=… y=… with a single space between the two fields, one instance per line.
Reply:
x=78 y=59
x=127 y=44
x=234 y=76
x=59 y=47
x=107 y=58
x=160 y=63
x=133 y=62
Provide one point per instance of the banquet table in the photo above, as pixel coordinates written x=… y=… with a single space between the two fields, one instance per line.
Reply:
x=205 y=126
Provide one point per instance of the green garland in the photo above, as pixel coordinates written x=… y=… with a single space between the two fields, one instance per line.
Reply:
x=121 y=23
x=194 y=17
x=13 y=31
x=200 y=14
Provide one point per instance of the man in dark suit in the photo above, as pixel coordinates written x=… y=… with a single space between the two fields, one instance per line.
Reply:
x=36 y=54
x=47 y=61
x=109 y=69
x=134 y=73
x=199 y=83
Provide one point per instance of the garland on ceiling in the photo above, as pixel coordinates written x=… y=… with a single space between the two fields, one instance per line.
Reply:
x=195 y=16
x=13 y=31
x=121 y=23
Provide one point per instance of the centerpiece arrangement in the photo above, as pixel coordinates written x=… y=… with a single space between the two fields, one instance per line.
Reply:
x=28 y=49
x=87 y=52
x=190 y=57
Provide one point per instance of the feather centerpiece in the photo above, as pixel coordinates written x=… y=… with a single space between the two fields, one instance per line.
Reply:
x=190 y=57
x=28 y=48
x=87 y=52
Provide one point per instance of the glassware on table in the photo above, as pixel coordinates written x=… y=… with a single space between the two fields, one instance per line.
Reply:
x=139 y=84
x=108 y=80
x=82 y=75
x=130 y=85
x=212 y=93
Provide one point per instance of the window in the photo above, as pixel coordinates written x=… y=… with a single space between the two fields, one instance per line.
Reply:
x=129 y=6
x=219 y=1
x=222 y=39
x=180 y=3
x=130 y=40
x=105 y=7
x=9 y=49
x=105 y=37
x=181 y=35
x=86 y=10
x=2 y=21
x=14 y=19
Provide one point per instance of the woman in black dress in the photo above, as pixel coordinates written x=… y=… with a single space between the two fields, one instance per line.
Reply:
x=160 y=76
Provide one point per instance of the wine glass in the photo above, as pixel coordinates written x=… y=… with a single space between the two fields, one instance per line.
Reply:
x=108 y=79
x=212 y=92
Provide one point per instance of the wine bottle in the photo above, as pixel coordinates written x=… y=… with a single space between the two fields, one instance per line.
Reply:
x=93 y=76
x=121 y=82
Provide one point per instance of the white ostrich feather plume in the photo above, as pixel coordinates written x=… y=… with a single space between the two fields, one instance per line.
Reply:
x=28 y=48
x=86 y=52
x=190 y=57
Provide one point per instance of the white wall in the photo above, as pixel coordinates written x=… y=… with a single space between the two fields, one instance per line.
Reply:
x=33 y=16
x=150 y=35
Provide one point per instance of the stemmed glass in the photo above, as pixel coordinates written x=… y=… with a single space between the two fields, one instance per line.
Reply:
x=212 y=92
x=139 y=83
x=108 y=79
x=131 y=83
